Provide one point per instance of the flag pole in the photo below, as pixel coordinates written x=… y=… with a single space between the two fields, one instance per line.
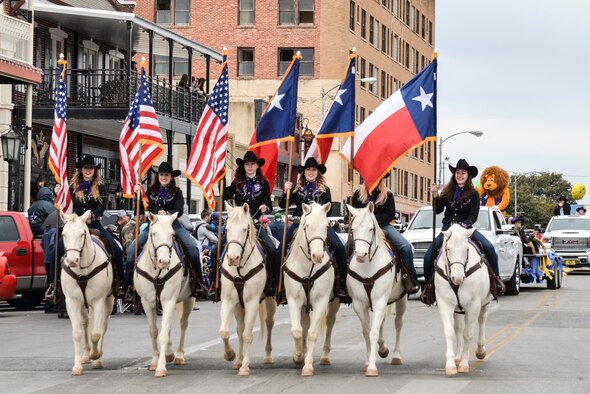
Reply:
x=219 y=223
x=285 y=224
x=56 y=243
x=351 y=176
x=434 y=55
x=138 y=192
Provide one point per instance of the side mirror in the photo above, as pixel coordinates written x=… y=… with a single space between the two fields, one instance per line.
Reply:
x=506 y=229
x=403 y=228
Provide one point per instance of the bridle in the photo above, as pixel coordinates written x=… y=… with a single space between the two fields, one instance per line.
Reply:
x=449 y=264
x=154 y=257
x=86 y=235
x=308 y=241
x=242 y=246
x=370 y=243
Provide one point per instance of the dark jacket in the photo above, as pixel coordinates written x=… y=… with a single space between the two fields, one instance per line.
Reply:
x=40 y=210
x=384 y=212
x=171 y=203
x=463 y=214
x=90 y=203
x=305 y=195
x=260 y=195
x=567 y=210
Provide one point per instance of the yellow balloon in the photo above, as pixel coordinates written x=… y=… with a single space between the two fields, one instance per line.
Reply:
x=578 y=191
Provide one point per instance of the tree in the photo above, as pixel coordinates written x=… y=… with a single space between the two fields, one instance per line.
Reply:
x=537 y=196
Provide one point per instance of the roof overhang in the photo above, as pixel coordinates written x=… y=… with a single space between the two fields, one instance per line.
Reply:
x=14 y=71
x=111 y=27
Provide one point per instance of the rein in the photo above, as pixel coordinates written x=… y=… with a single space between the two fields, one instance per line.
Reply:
x=309 y=241
x=370 y=243
x=242 y=246
x=79 y=251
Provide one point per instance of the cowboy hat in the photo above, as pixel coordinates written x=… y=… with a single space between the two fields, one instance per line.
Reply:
x=516 y=219
x=87 y=161
x=166 y=167
x=463 y=165
x=581 y=209
x=250 y=157
x=312 y=163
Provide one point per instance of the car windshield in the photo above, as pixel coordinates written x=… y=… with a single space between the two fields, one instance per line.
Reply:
x=569 y=224
x=423 y=220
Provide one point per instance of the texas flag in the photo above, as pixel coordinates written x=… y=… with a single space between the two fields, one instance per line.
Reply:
x=277 y=122
x=401 y=123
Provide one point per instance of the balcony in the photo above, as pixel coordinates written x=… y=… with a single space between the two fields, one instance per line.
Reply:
x=15 y=38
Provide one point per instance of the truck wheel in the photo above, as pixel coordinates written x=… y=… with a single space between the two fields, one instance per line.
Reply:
x=27 y=302
x=513 y=285
x=559 y=279
x=553 y=283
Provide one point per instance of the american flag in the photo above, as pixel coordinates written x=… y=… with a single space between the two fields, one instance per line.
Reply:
x=141 y=127
x=206 y=162
x=58 y=152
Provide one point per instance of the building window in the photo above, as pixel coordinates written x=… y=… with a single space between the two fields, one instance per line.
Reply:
x=384 y=38
x=371 y=30
x=407 y=56
x=351 y=20
x=421 y=188
x=383 y=82
x=362 y=116
x=364 y=24
x=405 y=181
x=245 y=62
x=287 y=14
x=430 y=33
x=428 y=148
x=306 y=64
x=423 y=31
x=363 y=71
x=428 y=193
x=179 y=65
x=246 y=12
x=371 y=71
x=181 y=11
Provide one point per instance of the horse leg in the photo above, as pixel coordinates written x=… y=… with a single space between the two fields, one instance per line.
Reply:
x=95 y=328
x=480 y=353
x=446 y=316
x=459 y=320
x=271 y=308
x=86 y=323
x=305 y=327
x=250 y=310
x=315 y=317
x=379 y=307
x=74 y=308
x=225 y=314
x=296 y=331
x=333 y=308
x=184 y=312
x=151 y=315
x=361 y=308
x=400 y=310
x=108 y=301
x=239 y=316
x=470 y=317
x=168 y=309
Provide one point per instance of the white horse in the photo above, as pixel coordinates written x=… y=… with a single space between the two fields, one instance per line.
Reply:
x=159 y=276
x=373 y=282
x=462 y=289
x=87 y=282
x=309 y=282
x=243 y=278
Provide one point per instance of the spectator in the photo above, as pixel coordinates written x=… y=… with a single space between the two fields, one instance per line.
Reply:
x=40 y=210
x=562 y=207
x=528 y=246
x=581 y=211
x=205 y=236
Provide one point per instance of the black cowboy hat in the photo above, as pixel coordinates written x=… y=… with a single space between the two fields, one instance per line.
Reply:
x=87 y=161
x=312 y=163
x=463 y=165
x=250 y=157
x=581 y=209
x=167 y=168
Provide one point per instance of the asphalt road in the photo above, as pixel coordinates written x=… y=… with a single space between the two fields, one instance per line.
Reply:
x=538 y=342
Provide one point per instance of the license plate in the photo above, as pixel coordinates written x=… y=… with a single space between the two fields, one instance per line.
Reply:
x=570 y=262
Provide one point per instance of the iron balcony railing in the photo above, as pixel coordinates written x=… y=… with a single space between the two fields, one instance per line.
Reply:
x=111 y=88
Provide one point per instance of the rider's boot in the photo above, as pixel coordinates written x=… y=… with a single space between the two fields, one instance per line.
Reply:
x=281 y=298
x=341 y=292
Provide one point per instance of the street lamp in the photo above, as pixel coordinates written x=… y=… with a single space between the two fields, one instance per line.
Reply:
x=11 y=145
x=324 y=93
x=476 y=133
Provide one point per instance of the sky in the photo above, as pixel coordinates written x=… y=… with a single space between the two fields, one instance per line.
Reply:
x=518 y=71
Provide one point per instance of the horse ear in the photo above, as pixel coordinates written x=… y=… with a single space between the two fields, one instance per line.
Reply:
x=151 y=217
x=371 y=207
x=229 y=205
x=327 y=206
x=306 y=208
x=173 y=216
x=351 y=209
x=246 y=208
x=86 y=215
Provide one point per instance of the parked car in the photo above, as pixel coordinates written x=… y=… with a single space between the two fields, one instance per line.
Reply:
x=7 y=279
x=569 y=237
x=490 y=223
x=25 y=256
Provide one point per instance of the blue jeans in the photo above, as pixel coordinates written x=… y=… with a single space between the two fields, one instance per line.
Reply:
x=488 y=250
x=404 y=248
x=274 y=254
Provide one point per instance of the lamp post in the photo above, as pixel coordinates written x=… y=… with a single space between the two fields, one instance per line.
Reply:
x=11 y=145
x=476 y=133
x=324 y=93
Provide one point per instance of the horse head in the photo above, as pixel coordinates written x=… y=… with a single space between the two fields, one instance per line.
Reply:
x=456 y=252
x=161 y=237
x=364 y=229
x=239 y=232
x=314 y=226
x=75 y=236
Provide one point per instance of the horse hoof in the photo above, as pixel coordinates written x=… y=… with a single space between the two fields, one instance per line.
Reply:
x=97 y=364
x=229 y=356
x=396 y=361
x=85 y=360
x=244 y=372
x=267 y=360
x=481 y=356
x=463 y=369
x=161 y=374
x=371 y=372
x=325 y=361
x=169 y=358
x=307 y=372
x=152 y=367
x=451 y=371
x=457 y=362
x=384 y=354
x=365 y=367
x=178 y=361
x=77 y=371
x=95 y=355
x=237 y=366
x=298 y=362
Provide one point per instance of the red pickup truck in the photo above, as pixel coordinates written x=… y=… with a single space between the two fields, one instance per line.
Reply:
x=25 y=256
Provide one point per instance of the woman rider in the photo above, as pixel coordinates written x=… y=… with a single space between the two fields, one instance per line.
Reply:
x=165 y=198
x=460 y=202
x=384 y=212
x=89 y=193
x=310 y=188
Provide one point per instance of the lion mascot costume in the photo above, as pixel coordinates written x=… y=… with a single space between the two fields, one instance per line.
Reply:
x=494 y=188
